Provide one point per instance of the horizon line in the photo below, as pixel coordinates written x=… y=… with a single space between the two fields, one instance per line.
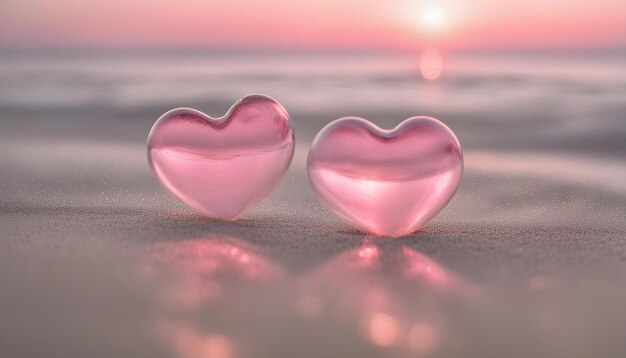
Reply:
x=312 y=49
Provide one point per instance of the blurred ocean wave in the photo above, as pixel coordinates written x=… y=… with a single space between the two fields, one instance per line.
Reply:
x=367 y=81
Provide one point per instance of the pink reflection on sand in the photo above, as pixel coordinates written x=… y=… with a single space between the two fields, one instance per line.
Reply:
x=417 y=266
x=188 y=342
x=403 y=313
x=422 y=338
x=308 y=306
x=382 y=329
x=201 y=276
x=389 y=295
x=197 y=271
x=431 y=64
x=193 y=345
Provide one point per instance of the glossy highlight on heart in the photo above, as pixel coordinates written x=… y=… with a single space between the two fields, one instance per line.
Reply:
x=222 y=166
x=385 y=182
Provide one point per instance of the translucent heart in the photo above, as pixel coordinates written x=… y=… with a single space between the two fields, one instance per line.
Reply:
x=222 y=166
x=385 y=182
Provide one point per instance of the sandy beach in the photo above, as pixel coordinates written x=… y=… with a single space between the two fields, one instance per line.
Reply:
x=528 y=259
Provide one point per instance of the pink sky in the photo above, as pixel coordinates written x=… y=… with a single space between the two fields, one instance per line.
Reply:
x=481 y=24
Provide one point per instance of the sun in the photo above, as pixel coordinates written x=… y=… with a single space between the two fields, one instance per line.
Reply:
x=432 y=17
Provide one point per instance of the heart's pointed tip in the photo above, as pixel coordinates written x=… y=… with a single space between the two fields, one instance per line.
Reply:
x=221 y=217
x=392 y=234
x=226 y=218
x=383 y=234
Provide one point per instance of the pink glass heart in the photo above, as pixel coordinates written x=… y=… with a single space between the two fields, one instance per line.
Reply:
x=385 y=182
x=222 y=166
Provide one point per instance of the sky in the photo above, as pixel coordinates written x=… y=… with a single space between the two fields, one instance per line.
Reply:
x=305 y=24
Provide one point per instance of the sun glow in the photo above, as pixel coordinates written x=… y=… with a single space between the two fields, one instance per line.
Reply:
x=432 y=17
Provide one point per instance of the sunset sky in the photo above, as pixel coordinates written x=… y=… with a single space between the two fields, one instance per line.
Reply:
x=366 y=24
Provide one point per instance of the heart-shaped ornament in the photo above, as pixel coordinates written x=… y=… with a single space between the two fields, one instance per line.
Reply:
x=385 y=182
x=222 y=166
